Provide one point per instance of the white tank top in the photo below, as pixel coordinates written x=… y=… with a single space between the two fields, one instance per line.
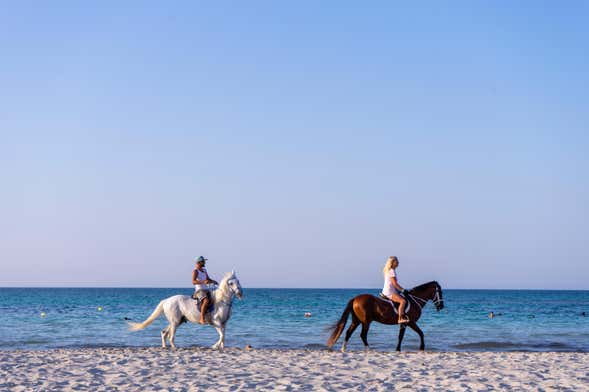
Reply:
x=388 y=288
x=201 y=275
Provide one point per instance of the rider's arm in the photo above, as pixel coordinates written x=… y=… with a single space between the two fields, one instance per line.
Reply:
x=396 y=284
x=209 y=280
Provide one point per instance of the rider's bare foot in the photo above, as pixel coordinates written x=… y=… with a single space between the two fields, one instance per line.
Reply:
x=403 y=320
x=202 y=322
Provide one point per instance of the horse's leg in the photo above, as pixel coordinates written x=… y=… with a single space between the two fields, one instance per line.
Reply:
x=220 y=344
x=172 y=333
x=164 y=335
x=402 y=328
x=414 y=327
x=364 y=334
x=350 y=331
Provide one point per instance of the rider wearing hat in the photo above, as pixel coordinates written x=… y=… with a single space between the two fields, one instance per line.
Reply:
x=201 y=280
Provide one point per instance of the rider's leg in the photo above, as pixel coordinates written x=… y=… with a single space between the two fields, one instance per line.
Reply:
x=203 y=309
x=402 y=302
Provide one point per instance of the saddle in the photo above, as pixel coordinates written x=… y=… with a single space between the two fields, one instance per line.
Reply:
x=395 y=305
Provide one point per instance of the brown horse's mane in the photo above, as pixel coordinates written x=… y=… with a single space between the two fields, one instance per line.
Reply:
x=423 y=286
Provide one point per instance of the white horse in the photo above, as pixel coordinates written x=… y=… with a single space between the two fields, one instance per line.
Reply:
x=181 y=308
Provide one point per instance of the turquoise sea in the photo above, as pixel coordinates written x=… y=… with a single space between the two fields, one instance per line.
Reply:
x=47 y=318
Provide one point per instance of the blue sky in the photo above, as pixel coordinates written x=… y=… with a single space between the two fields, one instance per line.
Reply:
x=300 y=144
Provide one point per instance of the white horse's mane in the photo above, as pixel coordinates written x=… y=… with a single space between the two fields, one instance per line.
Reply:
x=223 y=290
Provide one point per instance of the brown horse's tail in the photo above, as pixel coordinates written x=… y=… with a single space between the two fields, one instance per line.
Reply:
x=338 y=328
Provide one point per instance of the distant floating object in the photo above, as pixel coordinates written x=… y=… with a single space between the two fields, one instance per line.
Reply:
x=43 y=314
x=491 y=314
x=308 y=314
x=100 y=308
x=248 y=347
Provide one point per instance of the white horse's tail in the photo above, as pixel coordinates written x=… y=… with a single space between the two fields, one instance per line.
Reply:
x=156 y=313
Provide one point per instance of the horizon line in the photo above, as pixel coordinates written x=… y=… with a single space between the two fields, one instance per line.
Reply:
x=271 y=288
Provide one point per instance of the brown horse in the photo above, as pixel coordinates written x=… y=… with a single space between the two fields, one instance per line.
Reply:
x=366 y=308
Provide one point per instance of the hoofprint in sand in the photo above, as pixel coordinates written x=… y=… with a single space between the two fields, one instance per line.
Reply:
x=198 y=369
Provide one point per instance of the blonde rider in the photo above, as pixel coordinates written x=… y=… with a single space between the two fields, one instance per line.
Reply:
x=392 y=289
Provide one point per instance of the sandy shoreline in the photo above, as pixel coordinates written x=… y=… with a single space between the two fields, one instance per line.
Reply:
x=194 y=369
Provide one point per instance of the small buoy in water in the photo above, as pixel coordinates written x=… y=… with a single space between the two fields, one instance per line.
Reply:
x=308 y=314
x=100 y=308
x=248 y=347
x=43 y=314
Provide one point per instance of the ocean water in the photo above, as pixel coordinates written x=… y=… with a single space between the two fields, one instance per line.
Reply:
x=50 y=318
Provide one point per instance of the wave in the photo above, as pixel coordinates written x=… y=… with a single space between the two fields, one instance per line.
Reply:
x=490 y=345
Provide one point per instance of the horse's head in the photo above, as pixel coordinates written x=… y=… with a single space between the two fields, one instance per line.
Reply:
x=438 y=297
x=234 y=285
x=431 y=290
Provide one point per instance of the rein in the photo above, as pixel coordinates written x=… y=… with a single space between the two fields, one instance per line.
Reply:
x=228 y=299
x=436 y=299
x=415 y=298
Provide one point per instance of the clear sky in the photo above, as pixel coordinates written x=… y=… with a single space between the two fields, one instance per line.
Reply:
x=300 y=143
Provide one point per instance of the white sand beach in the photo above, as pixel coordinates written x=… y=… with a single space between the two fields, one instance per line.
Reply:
x=196 y=369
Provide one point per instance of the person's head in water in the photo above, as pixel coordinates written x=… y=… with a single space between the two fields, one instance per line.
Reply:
x=392 y=263
x=200 y=262
x=491 y=314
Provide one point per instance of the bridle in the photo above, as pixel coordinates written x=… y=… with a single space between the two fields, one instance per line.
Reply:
x=421 y=302
x=233 y=293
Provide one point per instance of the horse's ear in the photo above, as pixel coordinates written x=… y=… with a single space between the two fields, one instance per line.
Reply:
x=232 y=272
